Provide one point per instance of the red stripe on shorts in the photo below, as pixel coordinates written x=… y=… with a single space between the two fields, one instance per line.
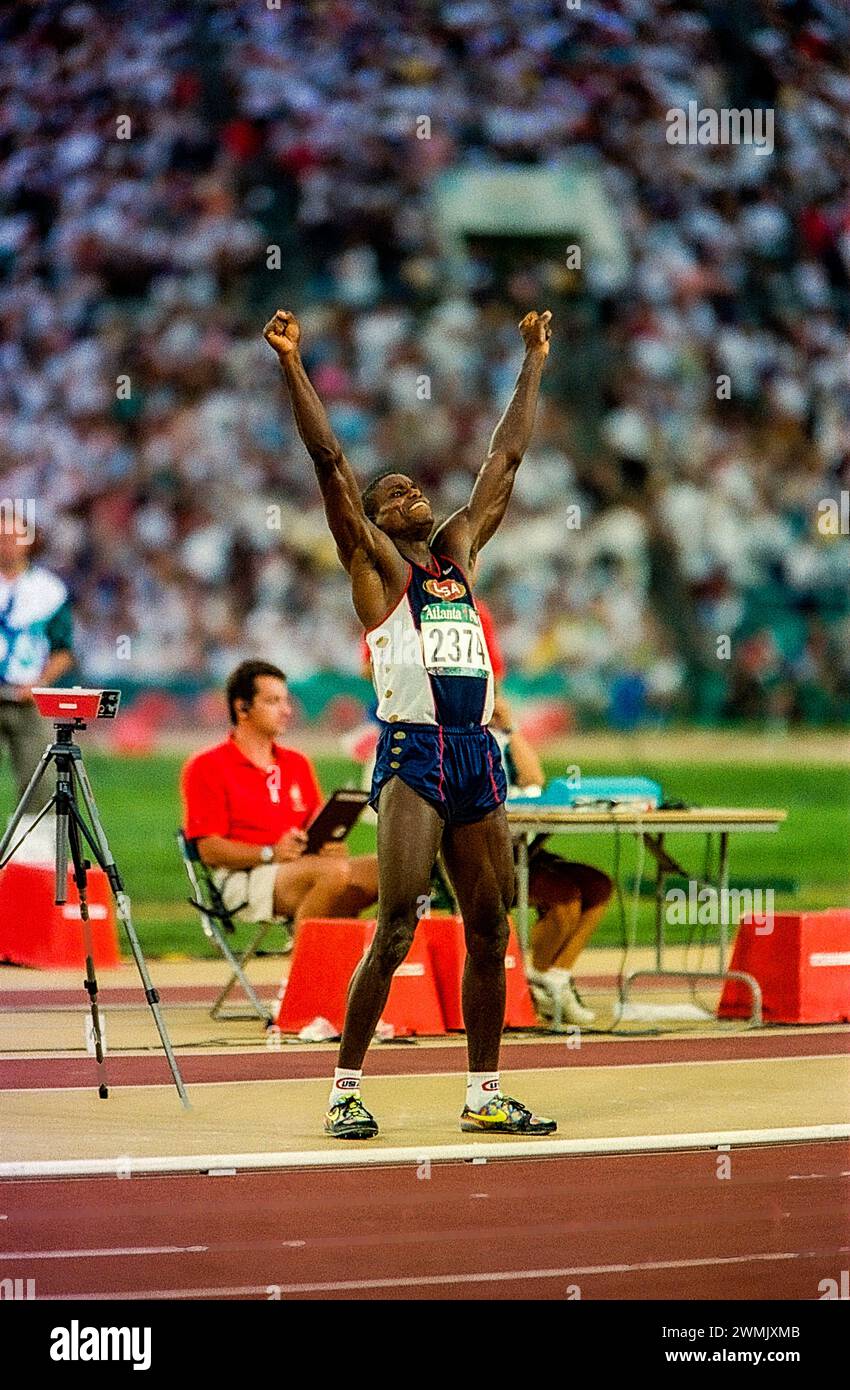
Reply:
x=492 y=778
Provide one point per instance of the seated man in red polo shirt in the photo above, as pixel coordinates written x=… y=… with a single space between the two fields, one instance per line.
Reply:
x=247 y=802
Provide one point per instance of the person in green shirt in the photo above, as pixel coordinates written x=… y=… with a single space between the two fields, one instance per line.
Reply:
x=36 y=648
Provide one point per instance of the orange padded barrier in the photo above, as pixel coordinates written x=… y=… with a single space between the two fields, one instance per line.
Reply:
x=448 y=952
x=328 y=951
x=34 y=931
x=802 y=965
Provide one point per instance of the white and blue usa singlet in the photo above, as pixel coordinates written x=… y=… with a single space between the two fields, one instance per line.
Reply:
x=430 y=663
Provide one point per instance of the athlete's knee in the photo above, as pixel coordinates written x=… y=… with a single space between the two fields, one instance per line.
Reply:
x=394 y=937
x=487 y=936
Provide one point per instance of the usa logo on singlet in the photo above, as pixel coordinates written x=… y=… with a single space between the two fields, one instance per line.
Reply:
x=445 y=589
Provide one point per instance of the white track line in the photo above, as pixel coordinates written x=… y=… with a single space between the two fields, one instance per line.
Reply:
x=501 y=1276
x=348 y=1156
x=105 y=1253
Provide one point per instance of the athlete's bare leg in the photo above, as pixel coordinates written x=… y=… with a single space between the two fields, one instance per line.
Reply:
x=409 y=832
x=480 y=861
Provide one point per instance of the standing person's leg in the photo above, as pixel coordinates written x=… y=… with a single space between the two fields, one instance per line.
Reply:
x=409 y=832
x=4 y=741
x=28 y=736
x=479 y=858
x=480 y=862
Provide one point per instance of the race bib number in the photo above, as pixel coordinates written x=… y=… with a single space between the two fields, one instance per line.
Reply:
x=452 y=641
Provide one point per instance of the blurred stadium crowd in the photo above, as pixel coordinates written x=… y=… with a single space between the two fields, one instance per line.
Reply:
x=181 y=507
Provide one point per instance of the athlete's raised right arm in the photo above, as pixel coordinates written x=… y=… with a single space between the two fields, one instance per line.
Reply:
x=350 y=527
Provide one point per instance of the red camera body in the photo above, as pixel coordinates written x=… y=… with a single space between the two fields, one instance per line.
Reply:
x=76 y=703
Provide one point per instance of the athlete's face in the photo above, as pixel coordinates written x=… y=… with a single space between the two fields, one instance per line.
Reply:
x=269 y=711
x=403 y=509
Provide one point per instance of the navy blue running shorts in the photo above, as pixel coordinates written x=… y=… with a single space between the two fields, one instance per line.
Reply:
x=458 y=771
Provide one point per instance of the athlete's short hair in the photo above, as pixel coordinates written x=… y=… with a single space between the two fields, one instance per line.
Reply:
x=369 y=494
x=242 y=683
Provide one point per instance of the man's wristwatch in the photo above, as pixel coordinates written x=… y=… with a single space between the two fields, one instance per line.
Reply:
x=267 y=854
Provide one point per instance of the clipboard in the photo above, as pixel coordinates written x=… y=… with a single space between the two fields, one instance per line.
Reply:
x=335 y=819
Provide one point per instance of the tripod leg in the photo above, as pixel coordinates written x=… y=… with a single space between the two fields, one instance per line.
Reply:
x=90 y=982
x=20 y=809
x=103 y=854
x=61 y=873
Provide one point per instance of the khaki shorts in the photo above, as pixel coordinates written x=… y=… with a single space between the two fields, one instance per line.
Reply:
x=253 y=887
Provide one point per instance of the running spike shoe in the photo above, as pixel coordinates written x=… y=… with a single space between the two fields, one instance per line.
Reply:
x=502 y=1115
x=349 y=1119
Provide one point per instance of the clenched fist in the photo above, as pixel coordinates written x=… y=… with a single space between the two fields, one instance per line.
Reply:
x=536 y=331
x=282 y=332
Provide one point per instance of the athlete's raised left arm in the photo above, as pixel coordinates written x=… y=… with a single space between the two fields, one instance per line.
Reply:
x=463 y=535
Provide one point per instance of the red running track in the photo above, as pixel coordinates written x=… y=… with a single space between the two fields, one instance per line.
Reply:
x=295 y=1062
x=649 y=1226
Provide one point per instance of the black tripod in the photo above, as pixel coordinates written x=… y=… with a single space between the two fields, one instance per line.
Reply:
x=72 y=831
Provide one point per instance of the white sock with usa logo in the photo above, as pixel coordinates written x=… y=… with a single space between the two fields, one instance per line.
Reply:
x=346 y=1082
x=481 y=1086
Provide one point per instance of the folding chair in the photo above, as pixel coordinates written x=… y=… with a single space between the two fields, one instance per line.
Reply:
x=217 y=919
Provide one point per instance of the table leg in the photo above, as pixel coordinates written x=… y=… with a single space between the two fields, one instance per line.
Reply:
x=723 y=885
x=640 y=841
x=660 y=879
x=522 y=889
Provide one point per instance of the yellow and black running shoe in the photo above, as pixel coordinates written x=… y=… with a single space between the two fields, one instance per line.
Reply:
x=502 y=1115
x=349 y=1119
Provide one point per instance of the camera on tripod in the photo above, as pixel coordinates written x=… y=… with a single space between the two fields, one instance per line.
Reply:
x=76 y=705
x=78 y=832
